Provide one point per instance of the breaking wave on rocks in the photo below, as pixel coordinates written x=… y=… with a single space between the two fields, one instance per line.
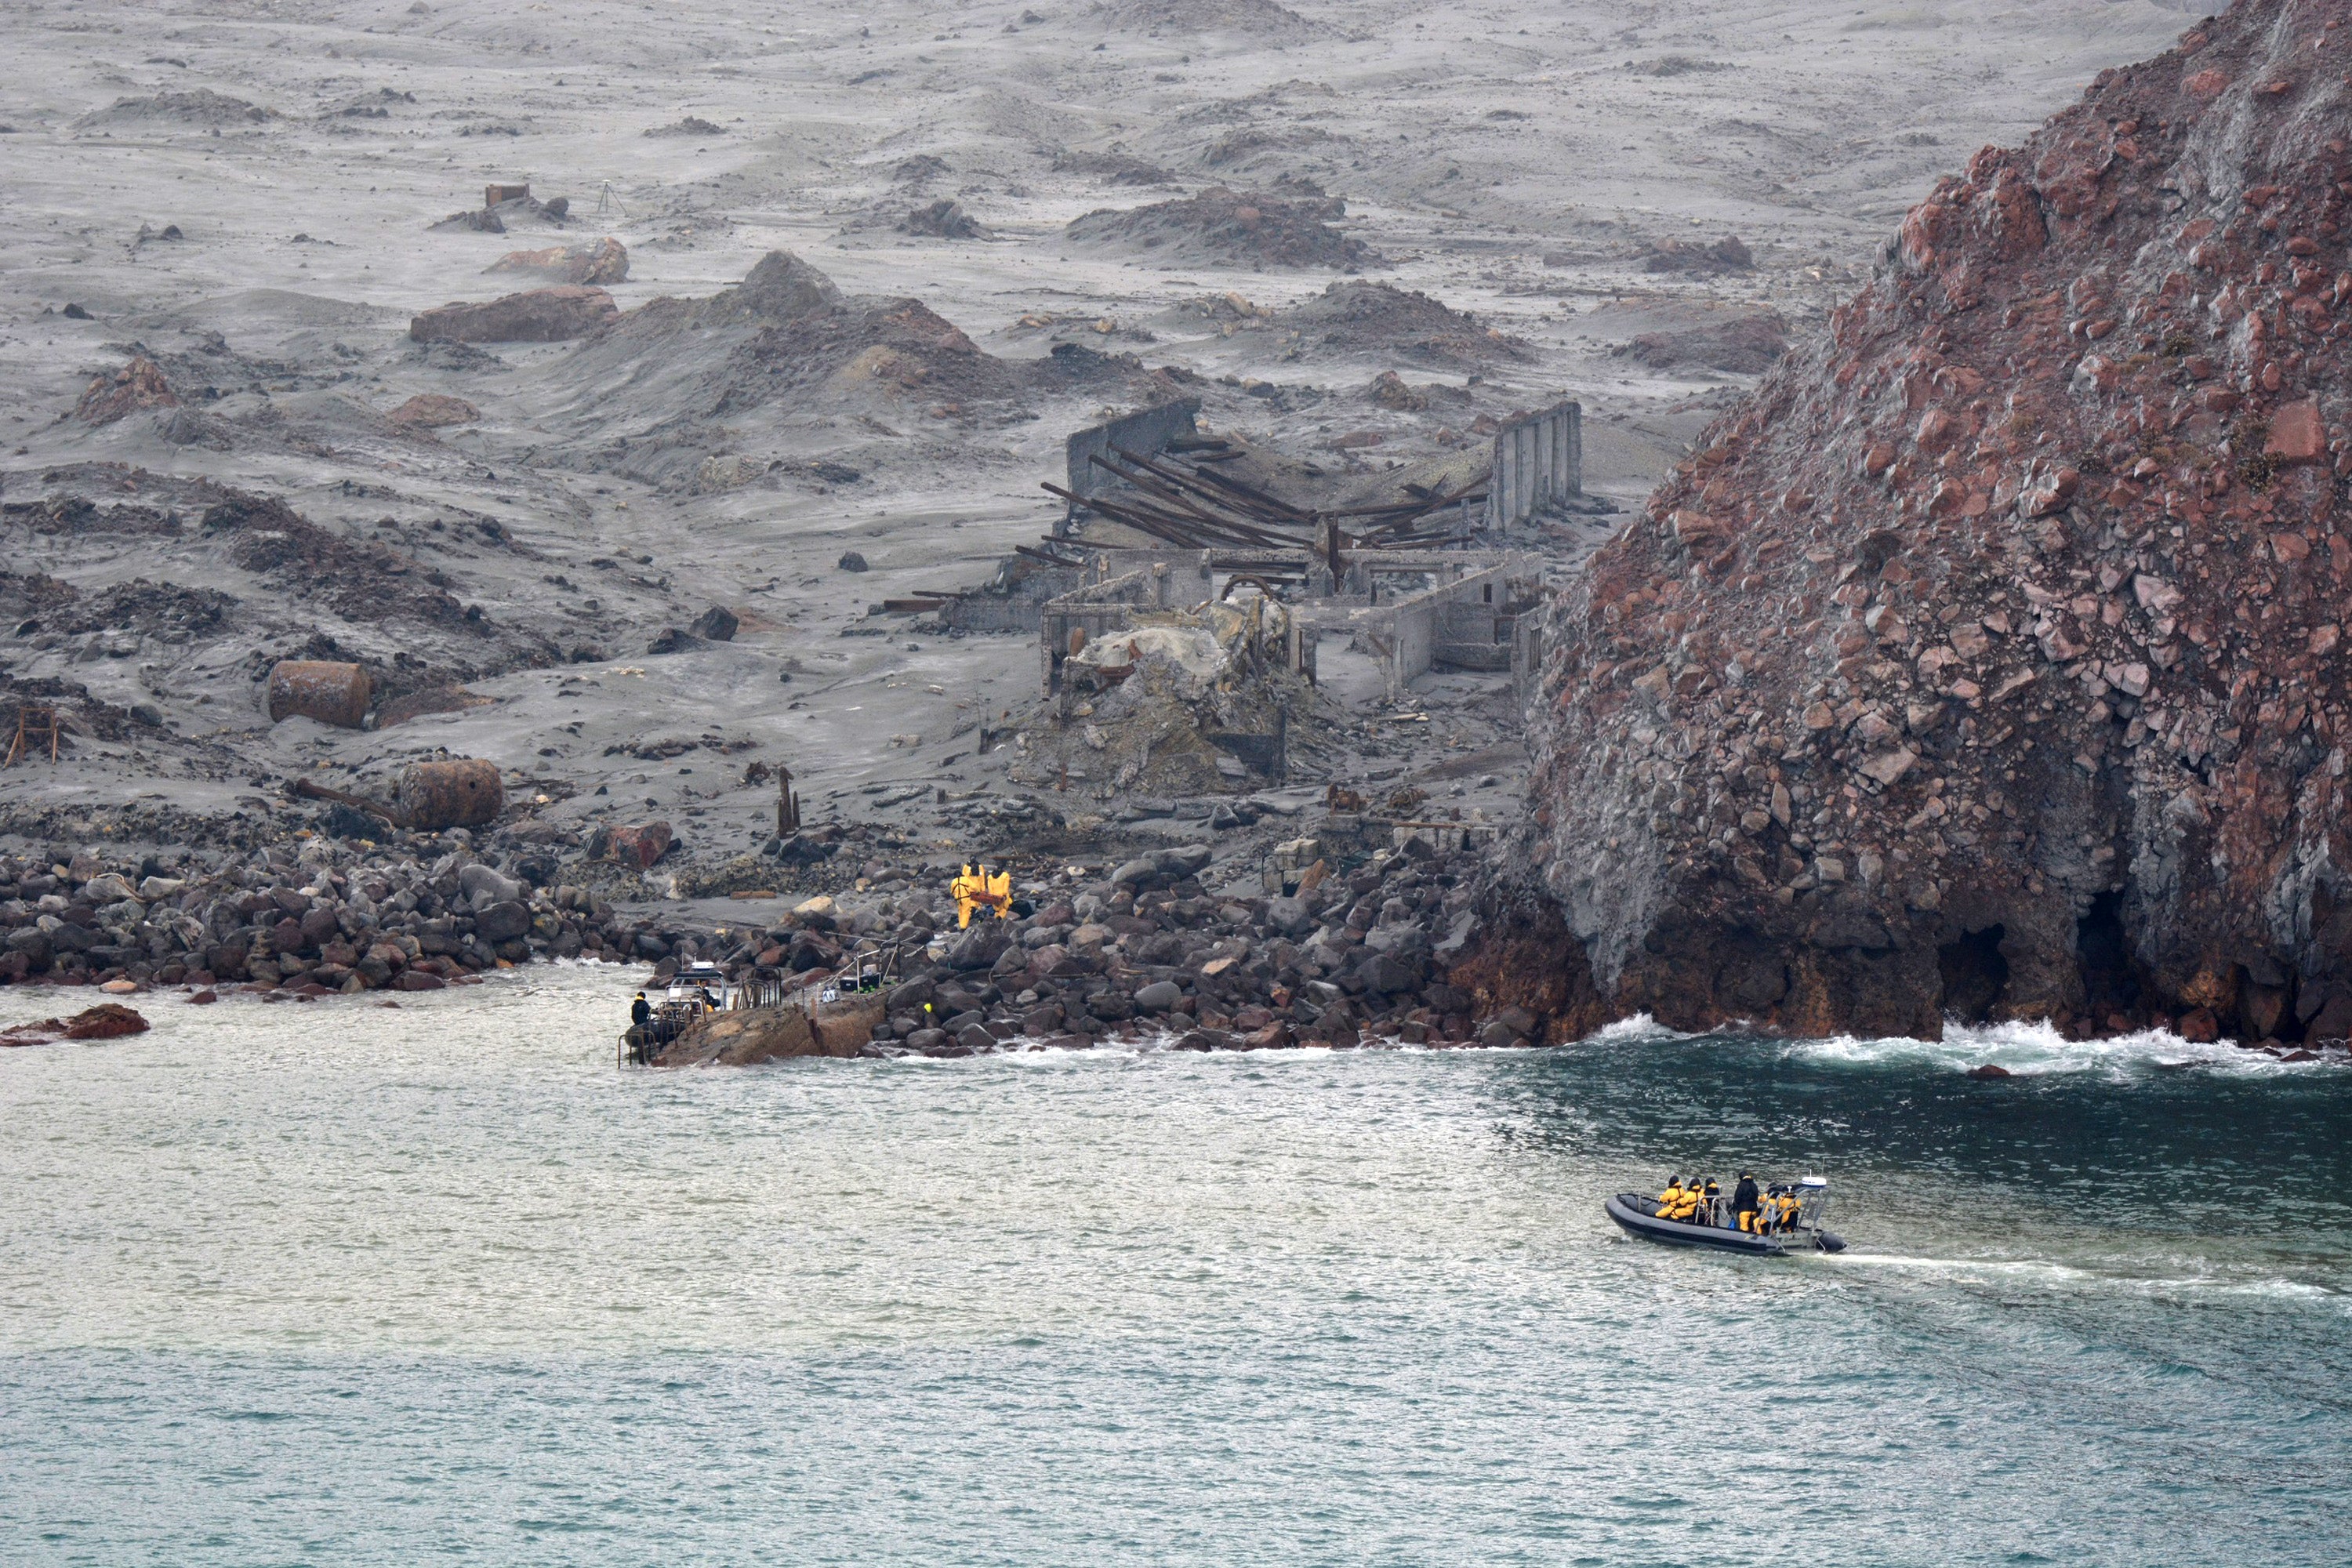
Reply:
x=2037 y=1050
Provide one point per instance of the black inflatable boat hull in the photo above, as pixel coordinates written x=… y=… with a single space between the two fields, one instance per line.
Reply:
x=1624 y=1210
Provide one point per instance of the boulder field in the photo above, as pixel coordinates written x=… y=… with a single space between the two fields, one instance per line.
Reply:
x=1988 y=662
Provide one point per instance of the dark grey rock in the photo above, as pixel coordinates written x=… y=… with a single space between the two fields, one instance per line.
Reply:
x=1159 y=996
x=504 y=922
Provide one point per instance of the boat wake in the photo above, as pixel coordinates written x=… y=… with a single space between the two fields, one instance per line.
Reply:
x=2045 y=1274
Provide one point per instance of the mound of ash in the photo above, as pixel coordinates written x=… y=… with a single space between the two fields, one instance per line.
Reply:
x=1222 y=226
x=1353 y=316
x=1262 y=20
x=1988 y=661
x=201 y=107
x=1743 y=343
x=1111 y=168
x=166 y=611
x=1729 y=254
x=786 y=337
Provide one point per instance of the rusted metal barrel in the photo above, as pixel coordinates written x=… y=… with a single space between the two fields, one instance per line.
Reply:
x=332 y=693
x=463 y=792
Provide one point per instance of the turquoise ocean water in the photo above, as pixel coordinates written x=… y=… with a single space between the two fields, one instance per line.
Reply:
x=339 y=1284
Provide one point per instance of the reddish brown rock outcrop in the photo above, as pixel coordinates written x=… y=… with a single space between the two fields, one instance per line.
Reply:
x=539 y=316
x=434 y=411
x=1988 y=661
x=107 y=1021
x=606 y=261
x=137 y=385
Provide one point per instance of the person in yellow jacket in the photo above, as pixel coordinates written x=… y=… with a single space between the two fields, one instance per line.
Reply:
x=1686 y=1205
x=1670 y=1197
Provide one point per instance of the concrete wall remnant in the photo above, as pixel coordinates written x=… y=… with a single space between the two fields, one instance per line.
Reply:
x=1470 y=623
x=1539 y=465
x=1145 y=432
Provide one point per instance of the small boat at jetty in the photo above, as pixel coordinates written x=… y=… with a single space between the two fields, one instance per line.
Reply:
x=1713 y=1224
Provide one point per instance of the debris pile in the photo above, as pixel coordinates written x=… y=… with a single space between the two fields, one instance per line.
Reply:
x=1189 y=498
x=1168 y=701
x=1987 y=662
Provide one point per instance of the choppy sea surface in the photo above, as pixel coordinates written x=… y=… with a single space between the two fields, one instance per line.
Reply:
x=343 y=1284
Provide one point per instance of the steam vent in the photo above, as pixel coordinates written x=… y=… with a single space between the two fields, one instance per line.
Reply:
x=1990 y=662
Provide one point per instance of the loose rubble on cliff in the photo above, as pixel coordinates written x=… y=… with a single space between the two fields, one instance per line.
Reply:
x=1987 y=662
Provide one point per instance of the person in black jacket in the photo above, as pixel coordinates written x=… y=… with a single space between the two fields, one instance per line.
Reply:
x=1744 y=1202
x=641 y=1010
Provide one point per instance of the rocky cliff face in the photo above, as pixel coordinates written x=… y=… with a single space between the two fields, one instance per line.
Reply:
x=1988 y=662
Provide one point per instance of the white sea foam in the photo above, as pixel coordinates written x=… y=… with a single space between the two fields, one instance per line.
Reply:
x=2035 y=1050
x=2035 y=1273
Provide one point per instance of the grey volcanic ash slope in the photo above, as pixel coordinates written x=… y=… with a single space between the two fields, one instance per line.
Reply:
x=786 y=347
x=1989 y=661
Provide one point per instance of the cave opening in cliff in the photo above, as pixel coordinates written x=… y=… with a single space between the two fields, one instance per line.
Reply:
x=2111 y=980
x=1976 y=976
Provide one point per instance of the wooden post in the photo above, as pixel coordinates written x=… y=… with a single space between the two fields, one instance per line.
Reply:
x=788 y=805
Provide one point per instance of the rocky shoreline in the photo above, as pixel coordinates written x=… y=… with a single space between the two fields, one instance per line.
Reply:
x=1146 y=948
x=1108 y=950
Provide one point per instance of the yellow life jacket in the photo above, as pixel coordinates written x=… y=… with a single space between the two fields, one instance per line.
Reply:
x=1669 y=1198
x=975 y=889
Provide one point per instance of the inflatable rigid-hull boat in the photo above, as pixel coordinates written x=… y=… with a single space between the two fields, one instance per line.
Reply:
x=1639 y=1215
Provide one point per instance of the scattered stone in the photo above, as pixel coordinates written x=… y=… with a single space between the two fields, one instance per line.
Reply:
x=851 y=562
x=717 y=624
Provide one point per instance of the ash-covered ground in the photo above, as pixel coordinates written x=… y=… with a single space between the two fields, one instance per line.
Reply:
x=222 y=444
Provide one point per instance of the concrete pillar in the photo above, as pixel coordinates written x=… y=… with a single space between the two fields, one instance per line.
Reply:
x=1524 y=500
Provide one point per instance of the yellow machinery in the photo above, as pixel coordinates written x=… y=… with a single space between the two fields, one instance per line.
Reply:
x=975 y=889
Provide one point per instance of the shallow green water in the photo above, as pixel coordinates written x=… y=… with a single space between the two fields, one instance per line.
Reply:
x=340 y=1284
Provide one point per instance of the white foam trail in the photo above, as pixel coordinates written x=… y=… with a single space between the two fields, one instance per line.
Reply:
x=2043 y=1273
x=2035 y=1050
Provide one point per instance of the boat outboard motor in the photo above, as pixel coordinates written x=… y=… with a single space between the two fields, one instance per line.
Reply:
x=1814 y=1191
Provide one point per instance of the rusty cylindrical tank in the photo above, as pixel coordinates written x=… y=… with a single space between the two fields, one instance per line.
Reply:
x=332 y=693
x=463 y=792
